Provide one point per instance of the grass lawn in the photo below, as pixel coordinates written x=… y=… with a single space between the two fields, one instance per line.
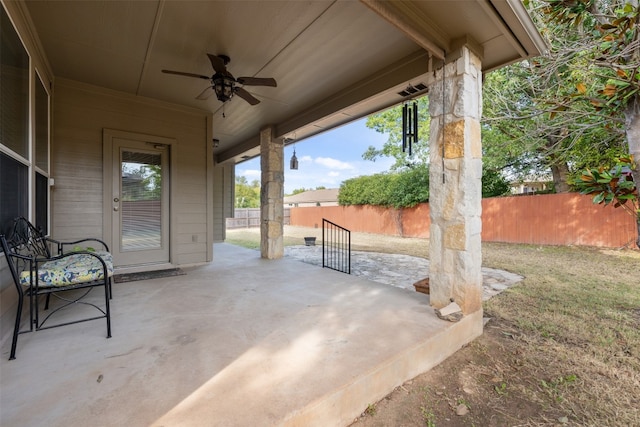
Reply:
x=560 y=348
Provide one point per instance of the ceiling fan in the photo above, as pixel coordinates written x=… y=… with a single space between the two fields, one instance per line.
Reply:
x=223 y=84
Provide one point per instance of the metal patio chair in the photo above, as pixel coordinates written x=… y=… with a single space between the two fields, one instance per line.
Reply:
x=68 y=276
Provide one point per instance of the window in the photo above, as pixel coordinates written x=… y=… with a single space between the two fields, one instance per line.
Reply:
x=41 y=157
x=13 y=190
x=24 y=155
x=42 y=127
x=14 y=88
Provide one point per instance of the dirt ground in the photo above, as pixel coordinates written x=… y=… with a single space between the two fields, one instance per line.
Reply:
x=562 y=348
x=467 y=389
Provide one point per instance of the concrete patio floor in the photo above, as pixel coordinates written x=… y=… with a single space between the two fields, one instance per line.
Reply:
x=241 y=341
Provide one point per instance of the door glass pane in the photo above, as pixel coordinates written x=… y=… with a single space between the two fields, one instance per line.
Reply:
x=14 y=89
x=141 y=207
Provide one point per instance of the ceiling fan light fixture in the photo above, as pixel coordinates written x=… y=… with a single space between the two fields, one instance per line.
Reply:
x=224 y=84
x=223 y=87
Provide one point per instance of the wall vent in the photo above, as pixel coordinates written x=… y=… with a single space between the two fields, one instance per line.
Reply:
x=411 y=90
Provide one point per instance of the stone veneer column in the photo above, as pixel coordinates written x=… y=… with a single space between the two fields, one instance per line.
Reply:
x=271 y=195
x=455 y=184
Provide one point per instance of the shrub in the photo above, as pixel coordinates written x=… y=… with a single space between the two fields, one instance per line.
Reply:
x=404 y=189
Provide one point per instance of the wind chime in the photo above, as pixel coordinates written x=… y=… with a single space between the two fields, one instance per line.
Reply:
x=409 y=126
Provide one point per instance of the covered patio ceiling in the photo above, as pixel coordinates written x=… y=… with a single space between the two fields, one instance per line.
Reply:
x=334 y=61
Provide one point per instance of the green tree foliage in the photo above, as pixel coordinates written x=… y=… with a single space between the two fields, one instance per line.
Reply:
x=536 y=120
x=578 y=105
x=494 y=184
x=613 y=185
x=366 y=190
x=607 y=77
x=411 y=187
x=390 y=122
x=408 y=185
x=247 y=195
x=143 y=181
x=611 y=52
x=575 y=107
x=406 y=188
x=395 y=189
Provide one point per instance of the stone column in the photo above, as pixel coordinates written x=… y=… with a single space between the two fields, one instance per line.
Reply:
x=455 y=184
x=271 y=195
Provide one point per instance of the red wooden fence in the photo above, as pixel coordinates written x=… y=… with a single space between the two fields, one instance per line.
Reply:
x=551 y=219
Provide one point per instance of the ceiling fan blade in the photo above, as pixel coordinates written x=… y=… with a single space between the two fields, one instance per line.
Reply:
x=180 y=73
x=246 y=96
x=257 y=81
x=218 y=64
x=206 y=94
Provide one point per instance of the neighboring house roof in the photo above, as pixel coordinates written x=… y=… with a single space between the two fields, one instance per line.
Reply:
x=533 y=182
x=314 y=196
x=532 y=179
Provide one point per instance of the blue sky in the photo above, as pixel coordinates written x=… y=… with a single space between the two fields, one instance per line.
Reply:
x=327 y=159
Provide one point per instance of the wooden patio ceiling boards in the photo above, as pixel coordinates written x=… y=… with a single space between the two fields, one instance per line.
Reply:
x=334 y=61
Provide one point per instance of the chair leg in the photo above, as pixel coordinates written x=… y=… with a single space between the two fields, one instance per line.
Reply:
x=107 y=297
x=16 y=328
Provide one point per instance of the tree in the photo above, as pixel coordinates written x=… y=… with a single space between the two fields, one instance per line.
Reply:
x=413 y=171
x=611 y=40
x=390 y=122
x=611 y=33
x=141 y=181
x=494 y=184
x=536 y=116
x=406 y=188
x=614 y=185
x=247 y=195
x=396 y=189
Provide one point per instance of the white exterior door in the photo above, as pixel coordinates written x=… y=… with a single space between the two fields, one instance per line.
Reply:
x=139 y=202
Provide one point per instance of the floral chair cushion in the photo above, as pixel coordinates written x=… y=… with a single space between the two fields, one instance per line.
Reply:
x=70 y=270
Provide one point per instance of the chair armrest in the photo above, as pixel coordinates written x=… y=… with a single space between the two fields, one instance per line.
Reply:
x=61 y=245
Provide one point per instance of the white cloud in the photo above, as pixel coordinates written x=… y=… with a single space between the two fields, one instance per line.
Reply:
x=333 y=163
x=327 y=159
x=250 y=173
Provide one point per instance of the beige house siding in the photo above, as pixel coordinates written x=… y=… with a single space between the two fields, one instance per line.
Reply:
x=82 y=113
